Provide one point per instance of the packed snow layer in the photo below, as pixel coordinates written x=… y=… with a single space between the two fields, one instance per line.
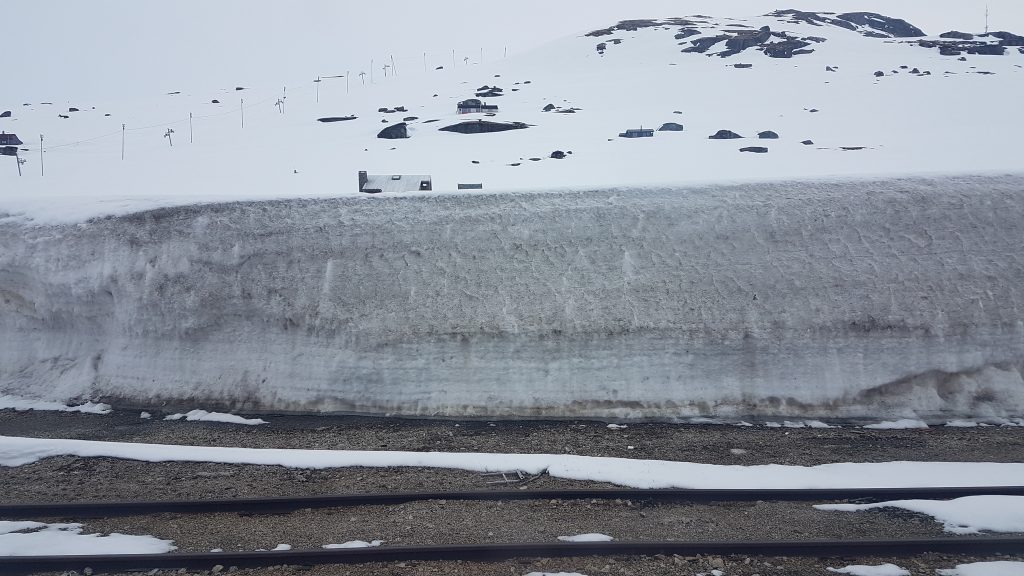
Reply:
x=643 y=474
x=8 y=402
x=864 y=570
x=1001 y=568
x=883 y=299
x=204 y=416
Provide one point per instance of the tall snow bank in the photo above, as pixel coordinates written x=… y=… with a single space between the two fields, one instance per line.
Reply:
x=882 y=299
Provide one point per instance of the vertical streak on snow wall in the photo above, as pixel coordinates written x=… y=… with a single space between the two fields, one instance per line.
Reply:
x=880 y=298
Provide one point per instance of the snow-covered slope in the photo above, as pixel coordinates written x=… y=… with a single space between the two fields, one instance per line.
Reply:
x=625 y=279
x=949 y=117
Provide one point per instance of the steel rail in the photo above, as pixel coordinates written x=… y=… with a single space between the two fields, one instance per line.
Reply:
x=494 y=552
x=287 y=504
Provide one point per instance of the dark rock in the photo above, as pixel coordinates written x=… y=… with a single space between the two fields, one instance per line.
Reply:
x=634 y=25
x=813 y=110
x=802 y=51
x=957 y=35
x=815 y=39
x=474 y=161
x=395 y=132
x=384 y=110
x=915 y=71
x=892 y=26
x=616 y=41
x=950 y=50
x=384 y=120
x=671 y=127
x=986 y=50
x=237 y=88
x=742 y=65
x=829 y=69
x=879 y=73
x=63 y=116
x=549 y=108
x=755 y=149
x=686 y=33
x=767 y=135
x=558 y=154
x=214 y=101
x=515 y=164
x=73 y=110
x=745 y=40
x=724 y=135
x=482 y=126
x=677 y=111
x=410 y=118
x=808 y=142
x=702 y=45
x=962 y=58
x=904 y=67
x=335 y=118
x=400 y=109
x=429 y=121
x=1007 y=39
x=526 y=81
x=1021 y=50
x=5 y=114
x=492 y=93
x=851 y=147
x=535 y=159
x=784 y=49
x=482 y=88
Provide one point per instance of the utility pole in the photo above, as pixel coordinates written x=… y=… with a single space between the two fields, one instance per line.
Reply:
x=190 y=140
x=241 y=106
x=19 y=161
x=41 y=172
x=122 y=142
x=168 y=136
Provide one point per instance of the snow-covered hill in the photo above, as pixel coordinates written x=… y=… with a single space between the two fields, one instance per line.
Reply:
x=928 y=112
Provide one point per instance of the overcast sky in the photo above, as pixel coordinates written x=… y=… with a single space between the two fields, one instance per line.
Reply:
x=106 y=49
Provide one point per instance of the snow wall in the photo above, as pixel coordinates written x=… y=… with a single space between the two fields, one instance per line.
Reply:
x=858 y=299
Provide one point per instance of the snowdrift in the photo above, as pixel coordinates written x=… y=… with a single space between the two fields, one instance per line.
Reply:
x=893 y=298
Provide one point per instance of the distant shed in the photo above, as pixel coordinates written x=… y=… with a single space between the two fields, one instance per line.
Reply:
x=376 y=184
x=9 y=139
x=473 y=106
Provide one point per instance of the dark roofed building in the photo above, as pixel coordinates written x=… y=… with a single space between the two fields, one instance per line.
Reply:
x=9 y=139
x=637 y=133
x=376 y=184
x=474 y=105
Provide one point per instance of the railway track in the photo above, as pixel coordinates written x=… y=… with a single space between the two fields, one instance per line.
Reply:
x=970 y=546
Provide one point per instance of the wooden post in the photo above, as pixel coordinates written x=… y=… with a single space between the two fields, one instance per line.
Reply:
x=241 y=104
x=17 y=160
x=190 y=140
x=41 y=171
x=122 y=141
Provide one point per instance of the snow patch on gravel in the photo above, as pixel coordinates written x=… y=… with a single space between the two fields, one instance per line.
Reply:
x=23 y=404
x=38 y=539
x=1003 y=568
x=967 y=515
x=354 y=544
x=204 y=416
x=864 y=570
x=904 y=424
x=591 y=537
x=636 y=473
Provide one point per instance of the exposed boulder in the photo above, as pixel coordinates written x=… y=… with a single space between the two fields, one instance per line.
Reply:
x=410 y=118
x=742 y=65
x=808 y=142
x=784 y=49
x=549 y=108
x=73 y=109
x=671 y=127
x=558 y=154
x=894 y=27
x=767 y=135
x=237 y=88
x=829 y=69
x=879 y=73
x=394 y=132
x=755 y=149
x=957 y=35
x=987 y=50
x=5 y=114
x=214 y=101
x=335 y=118
x=400 y=109
x=686 y=33
x=482 y=126
x=724 y=135
x=1008 y=39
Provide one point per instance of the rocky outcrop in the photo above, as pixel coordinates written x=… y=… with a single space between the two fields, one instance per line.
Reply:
x=785 y=49
x=671 y=127
x=482 y=126
x=767 y=135
x=893 y=27
x=755 y=149
x=394 y=132
x=336 y=118
x=724 y=135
